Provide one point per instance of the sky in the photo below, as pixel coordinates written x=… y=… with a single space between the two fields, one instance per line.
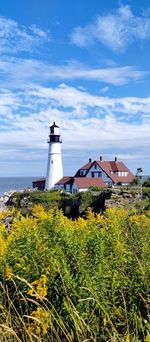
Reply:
x=85 y=65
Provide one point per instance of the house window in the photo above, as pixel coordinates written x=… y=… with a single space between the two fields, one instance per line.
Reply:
x=92 y=174
x=95 y=166
x=99 y=174
x=123 y=173
x=67 y=187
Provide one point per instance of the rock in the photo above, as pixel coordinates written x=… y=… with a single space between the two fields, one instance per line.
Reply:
x=3 y=208
x=4 y=199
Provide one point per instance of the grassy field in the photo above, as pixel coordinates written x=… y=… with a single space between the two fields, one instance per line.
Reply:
x=81 y=280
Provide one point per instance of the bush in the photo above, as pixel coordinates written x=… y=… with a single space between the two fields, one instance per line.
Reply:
x=64 y=280
x=147 y=183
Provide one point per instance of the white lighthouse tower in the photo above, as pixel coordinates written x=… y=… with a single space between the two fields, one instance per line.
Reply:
x=54 y=164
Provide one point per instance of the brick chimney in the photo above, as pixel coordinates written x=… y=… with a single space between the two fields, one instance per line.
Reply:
x=115 y=159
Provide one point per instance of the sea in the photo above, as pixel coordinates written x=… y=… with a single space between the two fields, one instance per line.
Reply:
x=22 y=183
x=15 y=183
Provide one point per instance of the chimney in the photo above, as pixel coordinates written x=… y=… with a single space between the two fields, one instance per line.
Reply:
x=90 y=160
x=101 y=158
x=115 y=159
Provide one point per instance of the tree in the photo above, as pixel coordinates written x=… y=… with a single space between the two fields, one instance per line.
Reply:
x=138 y=176
x=138 y=172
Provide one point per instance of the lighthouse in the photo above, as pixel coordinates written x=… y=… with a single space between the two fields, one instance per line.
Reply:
x=54 y=163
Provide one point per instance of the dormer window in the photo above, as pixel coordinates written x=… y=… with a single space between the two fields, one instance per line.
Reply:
x=123 y=173
x=81 y=173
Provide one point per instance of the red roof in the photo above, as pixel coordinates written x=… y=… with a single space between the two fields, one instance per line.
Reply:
x=114 y=166
x=64 y=180
x=83 y=182
x=84 y=167
x=117 y=166
x=109 y=167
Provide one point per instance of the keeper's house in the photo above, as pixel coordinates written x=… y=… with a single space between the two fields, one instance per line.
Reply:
x=95 y=173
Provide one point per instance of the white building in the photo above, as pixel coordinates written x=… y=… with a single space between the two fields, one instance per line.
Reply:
x=97 y=173
x=54 y=163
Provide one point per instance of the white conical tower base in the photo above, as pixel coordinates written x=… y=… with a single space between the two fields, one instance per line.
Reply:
x=54 y=165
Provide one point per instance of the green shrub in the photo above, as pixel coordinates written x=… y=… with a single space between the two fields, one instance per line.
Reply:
x=146 y=183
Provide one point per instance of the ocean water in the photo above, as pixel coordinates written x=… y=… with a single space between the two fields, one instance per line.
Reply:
x=15 y=183
x=21 y=183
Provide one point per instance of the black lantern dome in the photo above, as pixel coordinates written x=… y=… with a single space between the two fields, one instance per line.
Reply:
x=54 y=136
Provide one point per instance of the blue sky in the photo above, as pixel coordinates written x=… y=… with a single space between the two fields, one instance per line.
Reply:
x=84 y=64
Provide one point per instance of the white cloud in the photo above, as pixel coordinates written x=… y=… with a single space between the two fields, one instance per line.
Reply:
x=29 y=104
x=116 y=30
x=38 y=32
x=104 y=89
x=15 y=37
x=81 y=116
x=67 y=96
x=19 y=72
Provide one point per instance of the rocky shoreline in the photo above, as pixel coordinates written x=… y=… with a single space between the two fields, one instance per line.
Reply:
x=117 y=198
x=4 y=199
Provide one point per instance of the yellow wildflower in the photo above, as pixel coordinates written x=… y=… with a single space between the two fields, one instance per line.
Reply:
x=40 y=321
x=39 y=212
x=39 y=287
x=8 y=273
x=128 y=338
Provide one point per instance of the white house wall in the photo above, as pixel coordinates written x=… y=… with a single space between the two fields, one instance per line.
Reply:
x=83 y=189
x=76 y=189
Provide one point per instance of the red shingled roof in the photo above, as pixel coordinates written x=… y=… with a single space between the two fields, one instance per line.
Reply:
x=117 y=166
x=84 y=167
x=64 y=180
x=83 y=182
x=109 y=167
